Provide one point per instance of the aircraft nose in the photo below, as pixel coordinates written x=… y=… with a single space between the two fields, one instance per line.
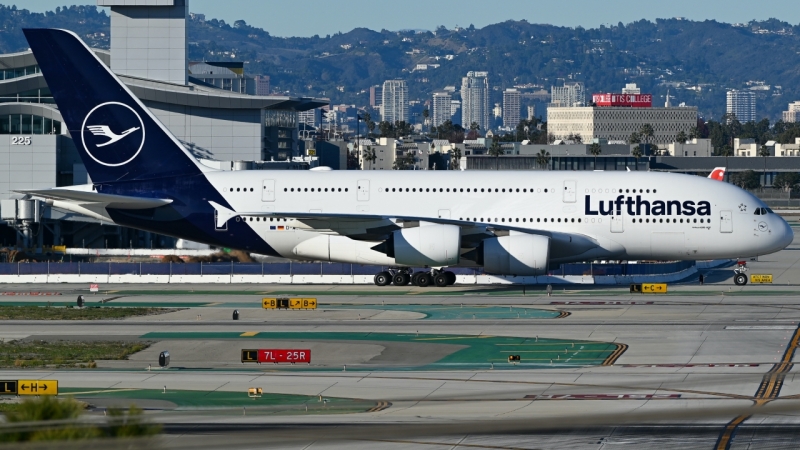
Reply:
x=786 y=235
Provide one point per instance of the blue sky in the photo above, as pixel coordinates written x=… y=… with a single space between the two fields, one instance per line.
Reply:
x=310 y=17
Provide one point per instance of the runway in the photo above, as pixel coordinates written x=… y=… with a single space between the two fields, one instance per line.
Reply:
x=410 y=368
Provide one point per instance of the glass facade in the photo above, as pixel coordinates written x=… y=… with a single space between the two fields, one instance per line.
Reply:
x=32 y=96
x=8 y=74
x=28 y=124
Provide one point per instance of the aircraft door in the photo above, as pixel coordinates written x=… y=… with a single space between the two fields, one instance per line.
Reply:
x=570 y=191
x=725 y=222
x=268 y=190
x=363 y=190
x=617 y=222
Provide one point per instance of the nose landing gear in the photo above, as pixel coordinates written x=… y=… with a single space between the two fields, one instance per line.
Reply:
x=739 y=277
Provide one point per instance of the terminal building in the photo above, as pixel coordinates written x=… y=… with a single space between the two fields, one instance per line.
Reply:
x=208 y=106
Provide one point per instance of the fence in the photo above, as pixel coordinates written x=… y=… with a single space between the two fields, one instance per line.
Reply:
x=303 y=268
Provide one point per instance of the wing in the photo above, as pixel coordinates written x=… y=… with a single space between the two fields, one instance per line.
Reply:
x=374 y=227
x=101 y=130
x=91 y=197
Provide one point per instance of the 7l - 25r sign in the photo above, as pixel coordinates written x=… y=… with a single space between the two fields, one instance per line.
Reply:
x=276 y=356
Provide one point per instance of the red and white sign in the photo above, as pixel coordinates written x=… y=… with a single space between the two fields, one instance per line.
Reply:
x=93 y=288
x=276 y=356
x=624 y=100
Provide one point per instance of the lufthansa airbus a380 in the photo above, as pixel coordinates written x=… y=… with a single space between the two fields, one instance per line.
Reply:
x=509 y=223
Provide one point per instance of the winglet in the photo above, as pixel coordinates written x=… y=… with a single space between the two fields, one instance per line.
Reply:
x=717 y=174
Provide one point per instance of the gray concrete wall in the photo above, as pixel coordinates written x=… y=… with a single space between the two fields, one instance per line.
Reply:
x=27 y=166
x=222 y=134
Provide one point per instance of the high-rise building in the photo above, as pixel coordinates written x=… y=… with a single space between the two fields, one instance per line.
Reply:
x=531 y=112
x=441 y=108
x=475 y=100
x=571 y=94
x=742 y=104
x=793 y=114
x=455 y=111
x=511 y=108
x=394 y=103
x=262 y=85
x=375 y=96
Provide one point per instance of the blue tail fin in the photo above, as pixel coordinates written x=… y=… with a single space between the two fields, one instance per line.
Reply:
x=117 y=137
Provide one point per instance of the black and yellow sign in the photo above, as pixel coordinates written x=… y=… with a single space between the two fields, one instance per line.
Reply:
x=37 y=387
x=289 y=303
x=654 y=288
x=761 y=278
x=254 y=392
x=8 y=387
x=249 y=355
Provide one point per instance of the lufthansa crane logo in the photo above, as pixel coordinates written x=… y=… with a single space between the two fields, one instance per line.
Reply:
x=762 y=226
x=113 y=134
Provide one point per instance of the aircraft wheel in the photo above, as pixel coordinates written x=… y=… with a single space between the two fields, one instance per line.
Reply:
x=383 y=279
x=441 y=279
x=740 y=279
x=424 y=279
x=451 y=278
x=401 y=279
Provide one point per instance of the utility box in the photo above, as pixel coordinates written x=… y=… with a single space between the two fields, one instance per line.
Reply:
x=80 y=301
x=235 y=314
x=163 y=359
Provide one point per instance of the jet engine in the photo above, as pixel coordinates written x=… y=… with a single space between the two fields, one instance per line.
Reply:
x=516 y=254
x=429 y=244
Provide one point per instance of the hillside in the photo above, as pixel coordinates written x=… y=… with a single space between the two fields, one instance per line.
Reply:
x=696 y=61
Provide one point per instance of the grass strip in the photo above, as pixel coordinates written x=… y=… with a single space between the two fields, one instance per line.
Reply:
x=64 y=354
x=70 y=313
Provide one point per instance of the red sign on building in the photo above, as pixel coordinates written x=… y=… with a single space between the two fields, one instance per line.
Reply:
x=624 y=100
x=284 y=356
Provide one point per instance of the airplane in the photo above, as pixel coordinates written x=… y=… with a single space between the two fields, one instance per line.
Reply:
x=516 y=223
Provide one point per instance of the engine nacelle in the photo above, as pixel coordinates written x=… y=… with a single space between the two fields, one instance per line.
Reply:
x=516 y=254
x=428 y=244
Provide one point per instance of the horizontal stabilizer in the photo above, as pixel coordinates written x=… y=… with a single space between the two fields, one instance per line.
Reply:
x=108 y=200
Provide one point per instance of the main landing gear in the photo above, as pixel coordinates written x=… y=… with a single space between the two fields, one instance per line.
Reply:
x=402 y=277
x=739 y=277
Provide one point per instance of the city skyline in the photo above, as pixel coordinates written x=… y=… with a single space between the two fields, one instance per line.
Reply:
x=364 y=14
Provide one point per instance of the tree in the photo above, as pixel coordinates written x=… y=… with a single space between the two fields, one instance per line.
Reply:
x=694 y=132
x=457 y=156
x=745 y=180
x=681 y=138
x=647 y=133
x=543 y=159
x=578 y=139
x=786 y=181
x=764 y=151
x=496 y=150
x=635 y=138
x=595 y=149
x=474 y=126
x=425 y=115
x=370 y=155
x=405 y=162
x=637 y=153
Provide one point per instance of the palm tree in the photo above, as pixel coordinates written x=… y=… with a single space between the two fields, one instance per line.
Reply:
x=457 y=157
x=635 y=138
x=694 y=132
x=595 y=149
x=681 y=138
x=425 y=115
x=370 y=155
x=496 y=150
x=637 y=153
x=764 y=151
x=543 y=159
x=647 y=133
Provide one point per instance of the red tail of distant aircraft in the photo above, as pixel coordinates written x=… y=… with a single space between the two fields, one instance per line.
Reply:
x=717 y=174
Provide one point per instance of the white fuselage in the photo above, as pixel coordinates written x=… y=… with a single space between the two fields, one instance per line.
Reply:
x=630 y=215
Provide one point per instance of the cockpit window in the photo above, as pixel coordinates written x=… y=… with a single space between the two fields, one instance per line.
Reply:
x=762 y=211
x=770 y=211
